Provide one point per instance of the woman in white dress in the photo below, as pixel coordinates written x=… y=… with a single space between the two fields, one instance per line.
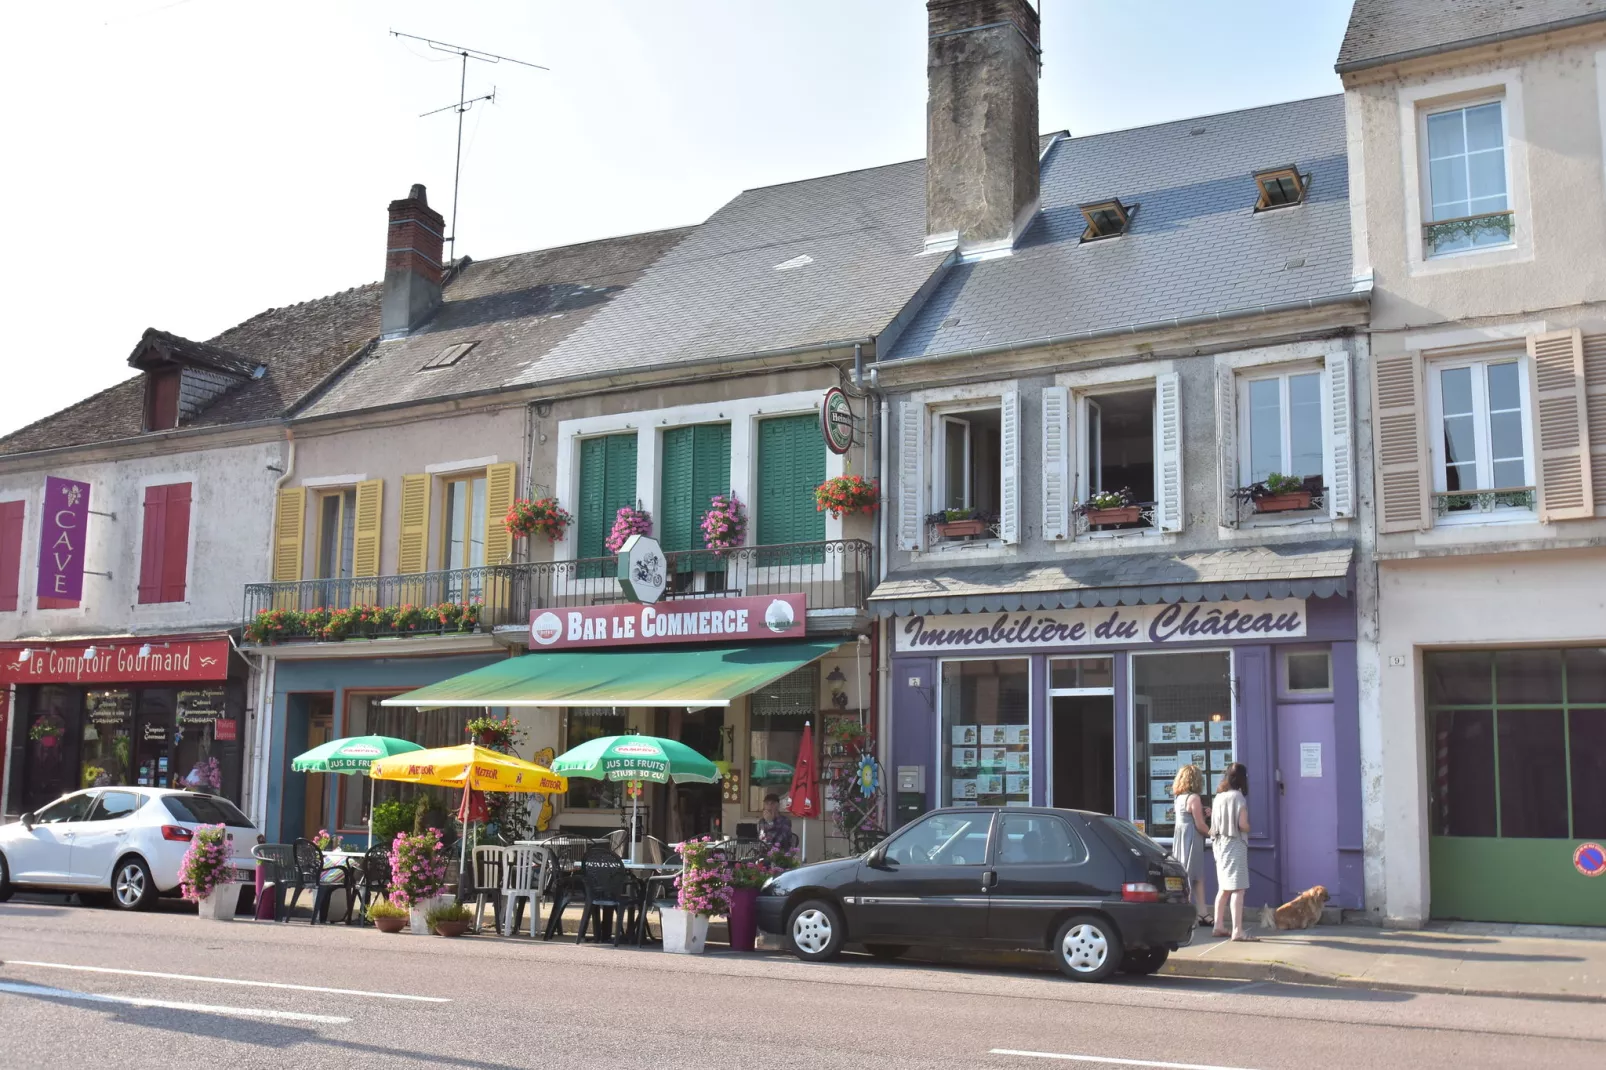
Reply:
x=1229 y=838
x=1188 y=840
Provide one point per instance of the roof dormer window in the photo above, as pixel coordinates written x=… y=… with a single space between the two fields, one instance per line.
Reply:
x=1106 y=219
x=161 y=399
x=1280 y=187
x=449 y=356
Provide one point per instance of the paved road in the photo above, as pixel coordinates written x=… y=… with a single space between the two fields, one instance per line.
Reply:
x=168 y=989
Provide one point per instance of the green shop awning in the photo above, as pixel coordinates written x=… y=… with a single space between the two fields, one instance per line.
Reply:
x=692 y=677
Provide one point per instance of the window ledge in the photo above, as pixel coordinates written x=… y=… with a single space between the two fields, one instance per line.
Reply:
x=1152 y=536
x=1309 y=522
x=1470 y=259
x=1493 y=518
x=968 y=548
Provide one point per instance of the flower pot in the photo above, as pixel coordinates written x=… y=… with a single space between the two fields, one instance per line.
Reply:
x=451 y=928
x=959 y=529
x=219 y=906
x=685 y=933
x=1125 y=514
x=743 y=918
x=417 y=923
x=390 y=925
x=1282 y=503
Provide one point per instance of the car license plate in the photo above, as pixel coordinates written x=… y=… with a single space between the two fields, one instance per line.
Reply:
x=243 y=876
x=1173 y=884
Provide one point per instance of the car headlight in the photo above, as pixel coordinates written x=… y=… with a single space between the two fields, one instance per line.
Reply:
x=766 y=885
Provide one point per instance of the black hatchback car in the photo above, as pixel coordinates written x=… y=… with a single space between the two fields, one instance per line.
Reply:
x=1091 y=889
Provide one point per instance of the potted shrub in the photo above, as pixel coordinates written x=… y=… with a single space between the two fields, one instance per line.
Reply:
x=703 y=890
x=627 y=521
x=958 y=523
x=746 y=879
x=418 y=875
x=541 y=516
x=841 y=495
x=203 y=874
x=496 y=733
x=449 y=919
x=1278 y=493
x=1110 y=507
x=387 y=917
x=725 y=524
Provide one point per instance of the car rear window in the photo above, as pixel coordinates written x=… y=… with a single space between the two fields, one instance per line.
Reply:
x=1128 y=834
x=205 y=810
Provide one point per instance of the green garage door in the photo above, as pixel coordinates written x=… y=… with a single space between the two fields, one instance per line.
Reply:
x=1517 y=782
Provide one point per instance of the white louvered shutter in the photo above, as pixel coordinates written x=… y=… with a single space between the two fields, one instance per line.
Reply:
x=1009 y=478
x=1168 y=462
x=911 y=475
x=1227 y=445
x=1056 y=462
x=1595 y=403
x=1339 y=456
x=1566 y=486
x=1400 y=418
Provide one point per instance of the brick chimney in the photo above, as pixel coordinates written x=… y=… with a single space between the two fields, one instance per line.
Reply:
x=412 y=264
x=982 y=64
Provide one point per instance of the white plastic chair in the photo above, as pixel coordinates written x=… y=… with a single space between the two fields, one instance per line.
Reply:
x=490 y=867
x=524 y=876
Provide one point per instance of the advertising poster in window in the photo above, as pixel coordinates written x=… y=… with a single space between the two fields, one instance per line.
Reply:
x=985 y=737
x=1182 y=703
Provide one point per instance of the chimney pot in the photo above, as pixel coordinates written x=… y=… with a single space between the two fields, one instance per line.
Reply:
x=413 y=266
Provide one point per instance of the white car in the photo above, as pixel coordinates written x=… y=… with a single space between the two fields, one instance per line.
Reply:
x=122 y=844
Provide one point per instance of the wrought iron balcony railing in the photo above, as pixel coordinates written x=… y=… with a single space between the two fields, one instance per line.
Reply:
x=831 y=575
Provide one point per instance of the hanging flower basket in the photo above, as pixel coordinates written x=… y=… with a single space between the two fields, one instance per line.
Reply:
x=541 y=516
x=725 y=523
x=627 y=522
x=840 y=495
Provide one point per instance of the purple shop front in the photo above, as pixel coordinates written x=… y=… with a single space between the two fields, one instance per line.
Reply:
x=1098 y=709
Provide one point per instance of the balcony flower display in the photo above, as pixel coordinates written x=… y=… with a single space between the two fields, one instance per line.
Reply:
x=840 y=495
x=360 y=622
x=725 y=523
x=1109 y=507
x=541 y=516
x=627 y=522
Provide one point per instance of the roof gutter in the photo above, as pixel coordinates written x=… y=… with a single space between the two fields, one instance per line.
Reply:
x=1360 y=295
x=1470 y=42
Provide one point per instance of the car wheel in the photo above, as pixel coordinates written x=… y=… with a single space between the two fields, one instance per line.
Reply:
x=1145 y=960
x=132 y=885
x=887 y=952
x=1088 y=948
x=816 y=931
x=5 y=880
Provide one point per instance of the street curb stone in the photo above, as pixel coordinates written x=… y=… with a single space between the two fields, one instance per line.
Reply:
x=1286 y=974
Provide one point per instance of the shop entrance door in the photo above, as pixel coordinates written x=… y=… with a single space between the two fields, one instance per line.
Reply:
x=1082 y=763
x=320 y=729
x=690 y=810
x=1309 y=806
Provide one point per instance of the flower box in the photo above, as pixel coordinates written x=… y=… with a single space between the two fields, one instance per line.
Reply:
x=1282 y=503
x=685 y=933
x=960 y=529
x=1125 y=514
x=221 y=904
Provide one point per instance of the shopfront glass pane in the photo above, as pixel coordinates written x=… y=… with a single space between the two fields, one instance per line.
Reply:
x=51 y=768
x=1458 y=678
x=365 y=715
x=156 y=715
x=106 y=756
x=1527 y=677
x=1588 y=747
x=1533 y=784
x=1310 y=671
x=588 y=724
x=777 y=713
x=1080 y=673
x=1461 y=786
x=985 y=744
x=1182 y=715
x=1586 y=675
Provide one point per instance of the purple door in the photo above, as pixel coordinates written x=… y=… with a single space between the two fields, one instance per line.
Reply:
x=1309 y=830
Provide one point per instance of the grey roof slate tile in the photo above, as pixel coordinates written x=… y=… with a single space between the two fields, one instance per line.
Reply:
x=1383 y=31
x=1195 y=245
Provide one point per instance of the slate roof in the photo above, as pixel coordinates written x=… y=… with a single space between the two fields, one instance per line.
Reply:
x=1195 y=246
x=516 y=309
x=301 y=345
x=1386 y=31
x=184 y=351
x=784 y=267
x=1290 y=570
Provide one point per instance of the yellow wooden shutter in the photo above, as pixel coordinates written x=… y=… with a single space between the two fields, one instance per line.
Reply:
x=412 y=546
x=1566 y=487
x=288 y=525
x=1400 y=419
x=501 y=484
x=365 y=543
x=1595 y=402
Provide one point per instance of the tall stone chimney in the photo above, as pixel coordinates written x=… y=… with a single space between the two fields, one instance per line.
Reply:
x=412 y=264
x=982 y=64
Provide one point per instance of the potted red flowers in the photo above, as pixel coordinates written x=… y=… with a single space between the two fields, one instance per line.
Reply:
x=840 y=495
x=541 y=516
x=1278 y=493
x=1109 y=507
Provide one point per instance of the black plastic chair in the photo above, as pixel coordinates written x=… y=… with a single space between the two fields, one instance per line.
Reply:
x=608 y=886
x=564 y=886
x=372 y=879
x=311 y=872
x=278 y=864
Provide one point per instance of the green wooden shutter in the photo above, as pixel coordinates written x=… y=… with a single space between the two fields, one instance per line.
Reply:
x=791 y=463
x=696 y=466
x=607 y=483
x=675 y=521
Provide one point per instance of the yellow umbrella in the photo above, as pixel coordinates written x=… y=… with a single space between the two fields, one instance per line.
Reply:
x=470 y=767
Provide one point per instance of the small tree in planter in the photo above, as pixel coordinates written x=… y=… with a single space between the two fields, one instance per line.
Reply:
x=841 y=495
x=725 y=523
x=203 y=872
x=703 y=887
x=1109 y=507
x=418 y=874
x=541 y=516
x=627 y=521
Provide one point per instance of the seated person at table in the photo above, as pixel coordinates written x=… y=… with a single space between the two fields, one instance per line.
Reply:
x=774 y=826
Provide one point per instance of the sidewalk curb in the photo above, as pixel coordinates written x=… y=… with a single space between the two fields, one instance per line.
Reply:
x=1283 y=973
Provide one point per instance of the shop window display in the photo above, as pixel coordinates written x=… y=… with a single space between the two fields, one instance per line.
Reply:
x=777 y=713
x=107 y=754
x=986 y=736
x=1181 y=715
x=444 y=726
x=580 y=726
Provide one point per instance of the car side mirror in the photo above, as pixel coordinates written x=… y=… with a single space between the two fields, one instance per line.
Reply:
x=27 y=820
x=878 y=856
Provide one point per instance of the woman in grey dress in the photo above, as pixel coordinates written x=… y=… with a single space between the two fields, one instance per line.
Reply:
x=1188 y=841
x=1229 y=838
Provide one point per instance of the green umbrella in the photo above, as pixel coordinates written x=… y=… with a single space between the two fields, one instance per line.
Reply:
x=767 y=770
x=634 y=757
x=354 y=754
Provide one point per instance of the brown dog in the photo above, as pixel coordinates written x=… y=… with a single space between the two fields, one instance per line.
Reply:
x=1300 y=912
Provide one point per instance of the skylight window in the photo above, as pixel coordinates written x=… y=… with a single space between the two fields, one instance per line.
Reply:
x=1106 y=219
x=450 y=355
x=1281 y=187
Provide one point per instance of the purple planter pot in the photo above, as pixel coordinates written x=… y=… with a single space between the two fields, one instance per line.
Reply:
x=743 y=918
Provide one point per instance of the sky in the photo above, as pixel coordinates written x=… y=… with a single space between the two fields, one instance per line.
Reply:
x=187 y=164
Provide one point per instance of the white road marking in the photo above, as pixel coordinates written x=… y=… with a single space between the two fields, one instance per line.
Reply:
x=1108 y=1060
x=228 y=981
x=167 y=1004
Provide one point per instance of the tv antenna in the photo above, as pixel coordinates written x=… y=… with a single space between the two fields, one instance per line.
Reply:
x=463 y=105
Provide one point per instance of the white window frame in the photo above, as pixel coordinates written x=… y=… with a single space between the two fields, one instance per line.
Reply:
x=1089 y=412
x=941 y=417
x=1281 y=373
x=1436 y=457
x=1426 y=113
